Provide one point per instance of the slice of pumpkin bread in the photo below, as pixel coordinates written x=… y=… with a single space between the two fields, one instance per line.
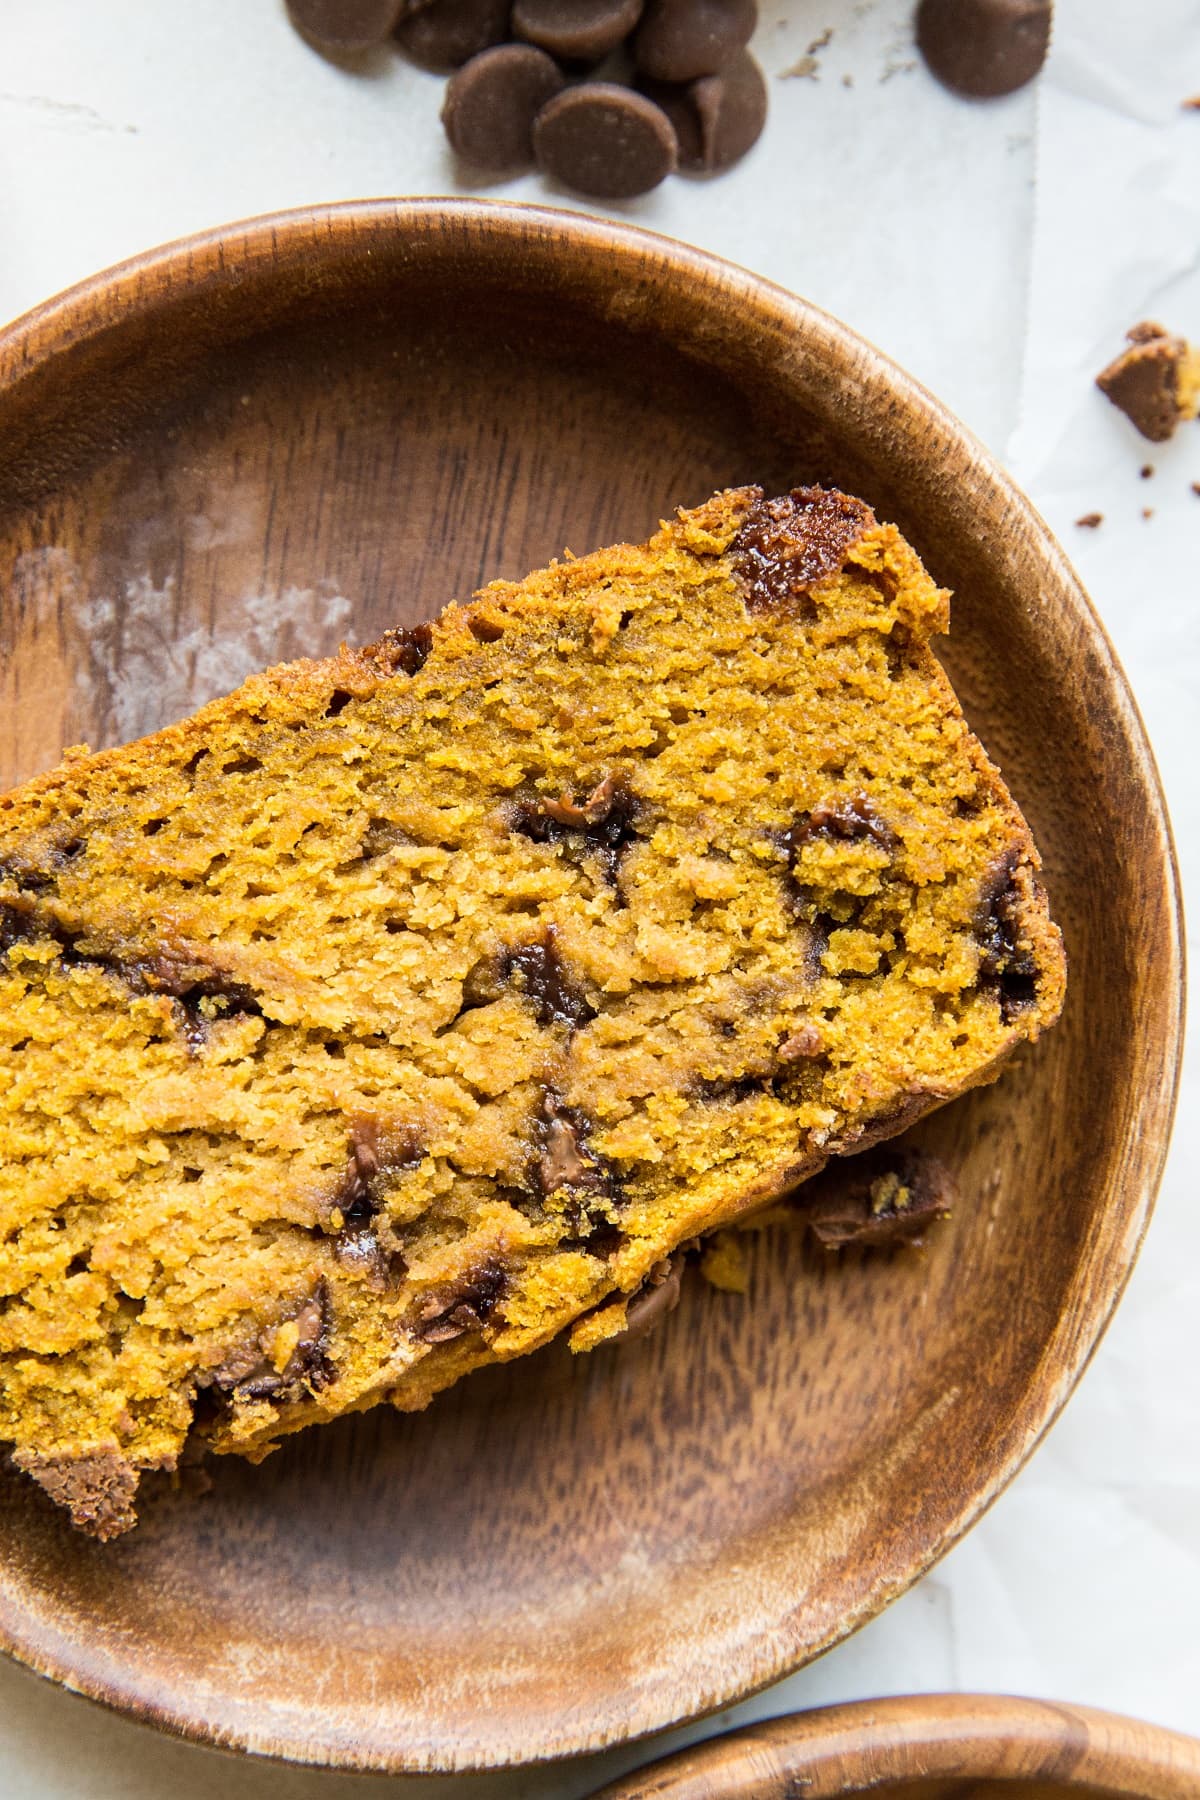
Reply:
x=403 y=1009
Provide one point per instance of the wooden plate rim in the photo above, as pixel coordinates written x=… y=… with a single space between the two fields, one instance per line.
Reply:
x=852 y=1748
x=106 y=303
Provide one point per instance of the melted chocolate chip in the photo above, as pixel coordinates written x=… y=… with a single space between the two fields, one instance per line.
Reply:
x=355 y=1199
x=401 y=652
x=24 y=876
x=363 y=1241
x=848 y=819
x=602 y=825
x=679 y=40
x=564 y=1163
x=1005 y=966
x=187 y=981
x=789 y=543
x=467 y=1306
x=359 y=1250
x=250 y=1375
x=14 y=926
x=537 y=972
x=984 y=48
x=879 y=1199
x=602 y=1240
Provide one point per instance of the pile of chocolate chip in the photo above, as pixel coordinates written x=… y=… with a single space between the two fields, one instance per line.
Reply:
x=606 y=96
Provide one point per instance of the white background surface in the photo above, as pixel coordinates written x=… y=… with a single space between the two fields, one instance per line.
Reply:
x=998 y=251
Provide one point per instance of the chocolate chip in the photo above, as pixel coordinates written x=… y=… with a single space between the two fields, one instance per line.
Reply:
x=601 y=824
x=656 y=1299
x=447 y=33
x=1143 y=382
x=250 y=1375
x=562 y=1162
x=787 y=544
x=848 y=819
x=492 y=101
x=536 y=972
x=186 y=980
x=605 y=141
x=679 y=40
x=466 y=1305
x=879 y=1199
x=401 y=651
x=369 y=1164
x=716 y=118
x=345 y=25
x=984 y=48
x=565 y=1159
x=361 y=1250
x=1004 y=964
x=578 y=31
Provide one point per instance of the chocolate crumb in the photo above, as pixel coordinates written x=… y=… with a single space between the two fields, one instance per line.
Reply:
x=733 y=1087
x=787 y=544
x=1146 y=471
x=804 y=1042
x=1196 y=487
x=880 y=1199
x=1091 y=520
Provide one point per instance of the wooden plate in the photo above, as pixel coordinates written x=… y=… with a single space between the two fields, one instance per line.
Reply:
x=254 y=443
x=931 y=1747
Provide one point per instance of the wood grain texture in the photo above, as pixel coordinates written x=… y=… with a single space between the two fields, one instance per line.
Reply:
x=261 y=441
x=931 y=1747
